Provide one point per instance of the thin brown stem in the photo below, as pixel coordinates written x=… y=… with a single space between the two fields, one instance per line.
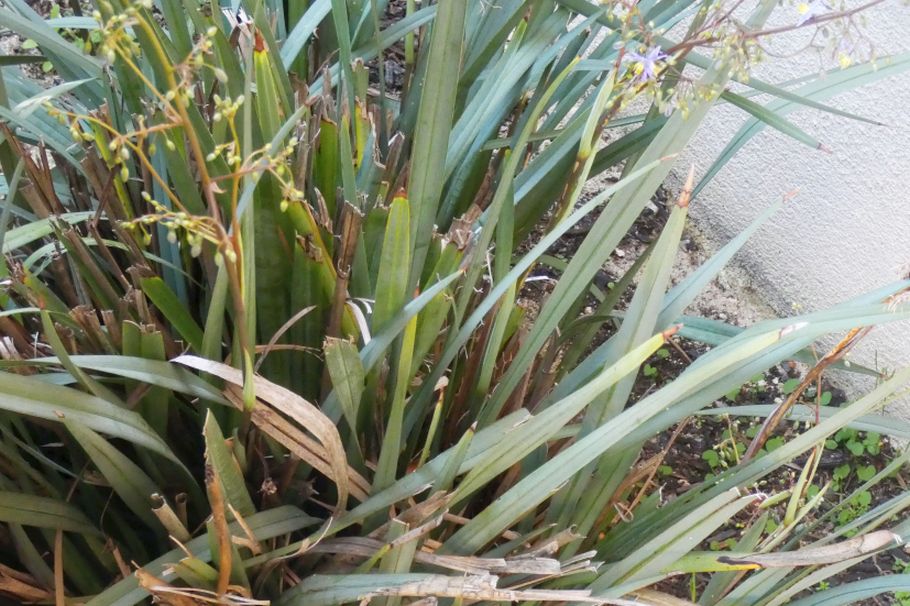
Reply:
x=697 y=41
x=222 y=532
x=774 y=419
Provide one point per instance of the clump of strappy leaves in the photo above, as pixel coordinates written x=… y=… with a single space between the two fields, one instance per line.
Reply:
x=268 y=329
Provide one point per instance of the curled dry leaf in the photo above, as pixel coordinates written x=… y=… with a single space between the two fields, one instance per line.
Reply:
x=421 y=517
x=367 y=548
x=466 y=587
x=162 y=591
x=168 y=595
x=552 y=544
x=811 y=556
x=281 y=414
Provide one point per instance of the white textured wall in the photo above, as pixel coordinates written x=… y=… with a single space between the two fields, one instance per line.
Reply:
x=848 y=229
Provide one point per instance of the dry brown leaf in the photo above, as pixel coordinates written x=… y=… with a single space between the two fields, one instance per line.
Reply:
x=484 y=587
x=169 y=595
x=21 y=586
x=283 y=415
x=419 y=513
x=650 y=597
x=812 y=556
x=156 y=587
x=366 y=548
x=553 y=544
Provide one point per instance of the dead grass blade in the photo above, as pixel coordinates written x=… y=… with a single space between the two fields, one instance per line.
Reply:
x=282 y=415
x=862 y=545
x=164 y=593
x=324 y=589
x=273 y=342
x=650 y=597
x=22 y=587
x=814 y=375
x=219 y=521
x=367 y=548
x=59 y=591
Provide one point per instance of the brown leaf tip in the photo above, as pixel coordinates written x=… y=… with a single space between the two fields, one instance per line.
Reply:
x=685 y=196
x=671 y=331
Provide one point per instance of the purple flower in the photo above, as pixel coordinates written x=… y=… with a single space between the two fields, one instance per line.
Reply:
x=808 y=11
x=646 y=64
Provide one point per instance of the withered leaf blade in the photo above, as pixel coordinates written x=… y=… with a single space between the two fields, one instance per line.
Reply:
x=282 y=415
x=21 y=586
x=367 y=547
x=329 y=590
x=812 y=556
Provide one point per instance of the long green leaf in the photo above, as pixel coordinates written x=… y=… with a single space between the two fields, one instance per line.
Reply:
x=395 y=259
x=543 y=481
x=651 y=558
x=434 y=127
x=772 y=119
x=824 y=88
x=607 y=232
x=26 y=234
x=852 y=593
x=346 y=371
x=173 y=310
x=526 y=262
x=127 y=479
x=152 y=372
x=31 y=397
x=303 y=30
x=43 y=512
x=540 y=428
x=226 y=469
